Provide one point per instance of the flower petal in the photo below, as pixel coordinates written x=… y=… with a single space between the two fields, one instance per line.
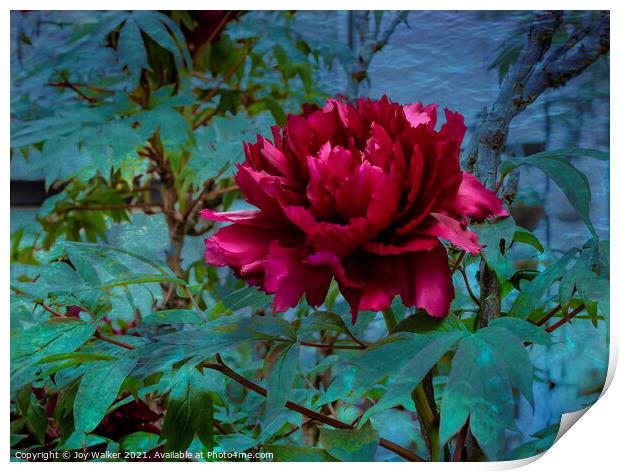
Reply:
x=476 y=201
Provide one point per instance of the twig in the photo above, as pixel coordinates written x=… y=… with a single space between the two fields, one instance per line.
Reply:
x=569 y=317
x=51 y=310
x=227 y=371
x=549 y=315
x=469 y=290
x=98 y=335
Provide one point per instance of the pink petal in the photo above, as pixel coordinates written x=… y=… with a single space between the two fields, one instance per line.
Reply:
x=289 y=277
x=426 y=281
x=448 y=228
x=476 y=201
x=418 y=114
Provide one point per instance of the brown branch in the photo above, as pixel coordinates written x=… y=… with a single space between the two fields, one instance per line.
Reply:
x=73 y=87
x=227 y=371
x=549 y=315
x=51 y=310
x=98 y=335
x=565 y=320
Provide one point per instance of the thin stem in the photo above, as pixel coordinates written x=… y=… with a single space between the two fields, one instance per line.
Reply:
x=563 y=321
x=549 y=315
x=390 y=319
x=51 y=310
x=227 y=371
x=98 y=335
x=194 y=302
x=427 y=421
x=501 y=182
x=469 y=290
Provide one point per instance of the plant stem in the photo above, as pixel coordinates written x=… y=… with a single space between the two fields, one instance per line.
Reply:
x=390 y=319
x=427 y=421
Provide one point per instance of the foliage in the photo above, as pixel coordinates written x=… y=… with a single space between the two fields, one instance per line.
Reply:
x=122 y=339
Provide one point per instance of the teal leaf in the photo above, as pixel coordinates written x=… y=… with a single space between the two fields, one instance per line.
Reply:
x=532 y=295
x=423 y=352
x=131 y=50
x=98 y=389
x=524 y=330
x=573 y=182
x=525 y=236
x=283 y=359
x=496 y=238
x=351 y=445
x=178 y=316
x=282 y=453
x=140 y=441
x=485 y=368
x=190 y=412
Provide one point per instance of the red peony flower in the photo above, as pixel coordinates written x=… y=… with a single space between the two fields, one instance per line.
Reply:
x=357 y=192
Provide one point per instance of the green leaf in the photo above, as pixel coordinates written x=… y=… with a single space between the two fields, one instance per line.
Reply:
x=573 y=182
x=190 y=412
x=237 y=300
x=422 y=322
x=524 y=330
x=98 y=389
x=351 y=445
x=283 y=453
x=131 y=50
x=532 y=296
x=323 y=321
x=140 y=441
x=423 y=352
x=486 y=366
x=77 y=356
x=283 y=360
x=525 y=236
x=36 y=419
x=496 y=238
x=178 y=316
